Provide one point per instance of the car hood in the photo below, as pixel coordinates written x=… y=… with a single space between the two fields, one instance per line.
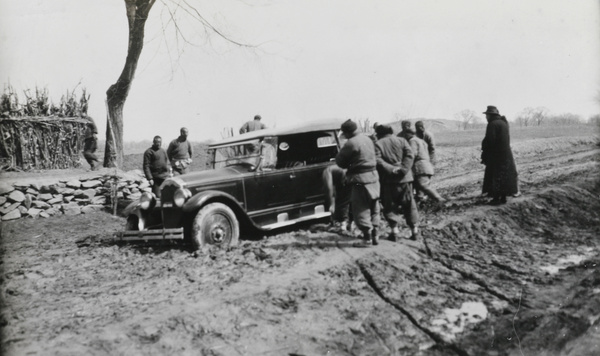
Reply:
x=211 y=176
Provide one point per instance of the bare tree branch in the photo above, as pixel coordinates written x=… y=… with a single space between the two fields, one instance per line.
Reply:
x=192 y=10
x=137 y=13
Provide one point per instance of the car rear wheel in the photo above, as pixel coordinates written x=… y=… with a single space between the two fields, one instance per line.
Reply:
x=215 y=224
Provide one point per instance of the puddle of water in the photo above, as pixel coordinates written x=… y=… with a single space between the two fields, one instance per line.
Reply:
x=571 y=260
x=454 y=321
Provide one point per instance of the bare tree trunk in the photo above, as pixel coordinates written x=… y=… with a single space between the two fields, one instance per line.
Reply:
x=116 y=95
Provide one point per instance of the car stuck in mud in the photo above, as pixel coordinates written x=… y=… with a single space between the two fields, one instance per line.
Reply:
x=256 y=182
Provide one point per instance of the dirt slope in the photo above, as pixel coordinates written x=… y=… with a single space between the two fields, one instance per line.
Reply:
x=520 y=279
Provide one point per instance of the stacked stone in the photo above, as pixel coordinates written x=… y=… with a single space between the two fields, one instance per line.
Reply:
x=70 y=197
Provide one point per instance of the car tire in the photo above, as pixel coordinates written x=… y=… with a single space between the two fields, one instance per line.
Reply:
x=215 y=224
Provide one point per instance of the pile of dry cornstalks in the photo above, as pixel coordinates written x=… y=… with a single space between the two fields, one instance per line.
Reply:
x=39 y=134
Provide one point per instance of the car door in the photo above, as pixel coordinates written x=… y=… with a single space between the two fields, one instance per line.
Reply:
x=270 y=195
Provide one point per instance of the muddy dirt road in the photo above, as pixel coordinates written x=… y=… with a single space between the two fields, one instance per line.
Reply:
x=518 y=279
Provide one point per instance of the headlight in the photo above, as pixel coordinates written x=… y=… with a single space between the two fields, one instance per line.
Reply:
x=147 y=201
x=180 y=196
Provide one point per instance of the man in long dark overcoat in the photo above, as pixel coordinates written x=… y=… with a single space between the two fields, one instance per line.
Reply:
x=500 y=177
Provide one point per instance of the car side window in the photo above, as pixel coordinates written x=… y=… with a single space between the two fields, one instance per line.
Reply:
x=306 y=149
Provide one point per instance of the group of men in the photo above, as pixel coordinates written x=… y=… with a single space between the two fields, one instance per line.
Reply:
x=380 y=171
x=160 y=164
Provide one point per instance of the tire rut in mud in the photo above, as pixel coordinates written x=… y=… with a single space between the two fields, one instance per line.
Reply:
x=440 y=341
x=499 y=256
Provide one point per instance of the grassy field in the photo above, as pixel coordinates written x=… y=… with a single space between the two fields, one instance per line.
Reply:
x=461 y=150
x=466 y=138
x=451 y=143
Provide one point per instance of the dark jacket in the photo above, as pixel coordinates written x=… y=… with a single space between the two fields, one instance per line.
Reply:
x=358 y=157
x=500 y=171
x=90 y=144
x=394 y=152
x=156 y=163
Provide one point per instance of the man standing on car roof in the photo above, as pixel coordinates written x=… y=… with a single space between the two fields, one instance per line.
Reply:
x=358 y=158
x=394 y=163
x=180 y=152
x=156 y=165
x=253 y=125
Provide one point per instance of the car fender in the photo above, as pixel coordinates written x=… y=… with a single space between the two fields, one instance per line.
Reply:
x=132 y=209
x=199 y=200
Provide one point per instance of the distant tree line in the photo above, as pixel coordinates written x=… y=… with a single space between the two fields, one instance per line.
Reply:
x=530 y=116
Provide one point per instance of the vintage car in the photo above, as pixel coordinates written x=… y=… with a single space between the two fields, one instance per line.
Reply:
x=256 y=182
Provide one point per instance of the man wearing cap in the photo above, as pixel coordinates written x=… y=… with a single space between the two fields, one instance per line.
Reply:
x=156 y=165
x=358 y=158
x=500 y=178
x=180 y=152
x=253 y=125
x=394 y=163
x=90 y=145
x=427 y=137
x=422 y=168
x=404 y=125
x=373 y=136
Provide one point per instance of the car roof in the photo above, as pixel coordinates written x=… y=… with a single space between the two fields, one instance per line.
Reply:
x=298 y=128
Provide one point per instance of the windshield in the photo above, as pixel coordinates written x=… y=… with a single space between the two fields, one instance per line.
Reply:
x=248 y=153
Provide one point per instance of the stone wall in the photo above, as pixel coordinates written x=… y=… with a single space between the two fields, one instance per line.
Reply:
x=69 y=197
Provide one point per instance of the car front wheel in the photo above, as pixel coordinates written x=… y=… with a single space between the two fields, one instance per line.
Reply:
x=215 y=224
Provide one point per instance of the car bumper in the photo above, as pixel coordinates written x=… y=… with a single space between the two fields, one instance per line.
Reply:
x=154 y=234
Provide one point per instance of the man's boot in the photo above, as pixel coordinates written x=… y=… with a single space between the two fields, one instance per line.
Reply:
x=414 y=233
x=374 y=236
x=344 y=226
x=394 y=234
x=365 y=240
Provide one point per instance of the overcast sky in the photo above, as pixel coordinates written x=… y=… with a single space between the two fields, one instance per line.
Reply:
x=376 y=59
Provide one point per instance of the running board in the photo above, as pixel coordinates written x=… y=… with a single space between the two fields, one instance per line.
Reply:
x=157 y=234
x=295 y=221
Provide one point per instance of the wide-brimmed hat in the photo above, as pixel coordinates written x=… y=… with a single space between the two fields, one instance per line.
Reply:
x=492 y=110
